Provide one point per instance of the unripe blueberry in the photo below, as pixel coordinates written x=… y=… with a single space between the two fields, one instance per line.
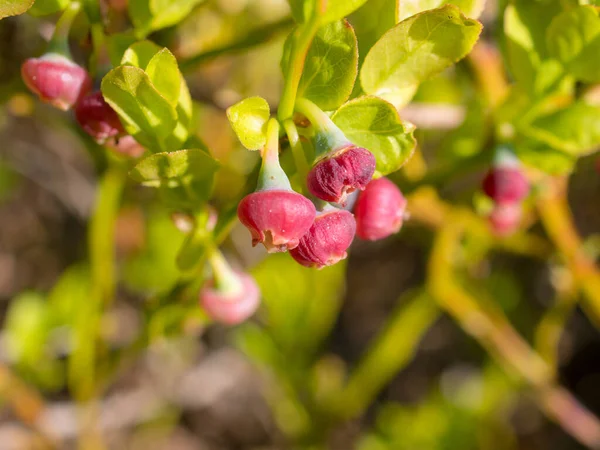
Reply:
x=231 y=306
x=341 y=173
x=505 y=184
x=277 y=218
x=327 y=240
x=505 y=218
x=97 y=118
x=56 y=80
x=379 y=210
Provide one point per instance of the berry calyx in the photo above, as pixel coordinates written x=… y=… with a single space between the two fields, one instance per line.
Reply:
x=327 y=240
x=379 y=210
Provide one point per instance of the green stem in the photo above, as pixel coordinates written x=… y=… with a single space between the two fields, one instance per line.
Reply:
x=301 y=42
x=328 y=137
x=392 y=350
x=98 y=47
x=271 y=175
x=60 y=39
x=226 y=280
x=302 y=167
x=101 y=238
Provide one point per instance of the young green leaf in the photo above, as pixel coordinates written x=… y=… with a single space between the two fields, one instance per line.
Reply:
x=249 y=120
x=146 y=114
x=184 y=118
x=574 y=39
x=164 y=74
x=470 y=8
x=14 y=7
x=140 y=53
x=525 y=25
x=375 y=125
x=574 y=130
x=302 y=10
x=45 y=7
x=545 y=158
x=331 y=66
x=371 y=21
x=415 y=50
x=172 y=167
x=118 y=44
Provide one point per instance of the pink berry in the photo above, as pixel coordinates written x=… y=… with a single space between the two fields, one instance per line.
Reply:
x=276 y=218
x=327 y=240
x=334 y=177
x=505 y=218
x=97 y=118
x=505 y=184
x=231 y=307
x=379 y=210
x=56 y=80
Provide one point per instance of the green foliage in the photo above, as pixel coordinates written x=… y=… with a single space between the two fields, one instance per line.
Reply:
x=45 y=7
x=415 y=50
x=152 y=15
x=249 y=119
x=375 y=125
x=14 y=7
x=470 y=8
x=574 y=39
x=328 y=11
x=331 y=66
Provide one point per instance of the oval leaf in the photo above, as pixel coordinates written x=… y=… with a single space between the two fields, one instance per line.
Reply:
x=164 y=75
x=145 y=113
x=415 y=50
x=574 y=39
x=168 y=166
x=470 y=8
x=140 y=53
x=249 y=120
x=375 y=125
x=14 y=7
x=331 y=66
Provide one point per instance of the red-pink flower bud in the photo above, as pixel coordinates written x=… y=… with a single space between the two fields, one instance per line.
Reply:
x=505 y=218
x=231 y=306
x=379 y=210
x=505 y=184
x=97 y=118
x=327 y=240
x=337 y=175
x=56 y=80
x=277 y=218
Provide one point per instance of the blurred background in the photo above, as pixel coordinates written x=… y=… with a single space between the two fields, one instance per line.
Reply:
x=159 y=375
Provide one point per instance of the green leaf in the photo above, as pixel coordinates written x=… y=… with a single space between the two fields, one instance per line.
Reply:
x=152 y=15
x=168 y=166
x=375 y=125
x=574 y=39
x=525 y=25
x=164 y=74
x=302 y=10
x=331 y=66
x=248 y=119
x=26 y=327
x=45 y=7
x=146 y=114
x=545 y=158
x=574 y=130
x=185 y=177
x=470 y=8
x=302 y=316
x=371 y=21
x=417 y=49
x=140 y=53
x=14 y=7
x=184 y=118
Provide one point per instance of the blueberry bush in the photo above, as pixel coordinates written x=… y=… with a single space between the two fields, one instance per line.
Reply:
x=366 y=224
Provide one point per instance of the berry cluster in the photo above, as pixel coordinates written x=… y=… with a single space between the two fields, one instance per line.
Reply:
x=284 y=220
x=59 y=81
x=506 y=184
